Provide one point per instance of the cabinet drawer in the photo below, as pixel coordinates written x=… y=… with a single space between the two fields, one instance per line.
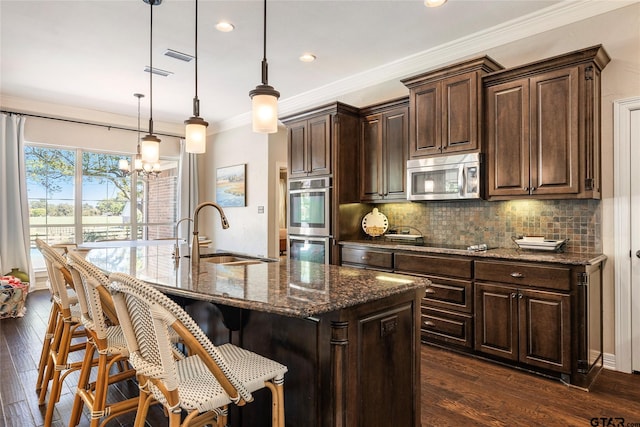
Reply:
x=524 y=274
x=446 y=327
x=367 y=257
x=434 y=265
x=449 y=294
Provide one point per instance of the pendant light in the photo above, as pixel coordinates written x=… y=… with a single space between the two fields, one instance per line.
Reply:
x=196 y=127
x=139 y=167
x=264 y=98
x=151 y=143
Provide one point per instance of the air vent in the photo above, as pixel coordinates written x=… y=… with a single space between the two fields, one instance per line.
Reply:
x=179 y=55
x=158 y=71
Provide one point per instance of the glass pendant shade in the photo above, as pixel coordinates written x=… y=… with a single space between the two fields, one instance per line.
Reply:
x=264 y=108
x=150 y=149
x=123 y=164
x=195 y=135
x=137 y=163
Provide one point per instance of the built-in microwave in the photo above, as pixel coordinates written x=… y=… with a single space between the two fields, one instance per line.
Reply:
x=310 y=207
x=444 y=177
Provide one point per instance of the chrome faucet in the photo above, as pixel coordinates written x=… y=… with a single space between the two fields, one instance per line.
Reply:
x=176 y=246
x=195 y=243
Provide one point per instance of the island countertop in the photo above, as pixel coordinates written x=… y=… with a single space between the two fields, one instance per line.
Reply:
x=286 y=287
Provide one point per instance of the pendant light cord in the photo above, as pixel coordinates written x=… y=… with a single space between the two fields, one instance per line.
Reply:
x=151 y=3
x=196 y=101
x=265 y=78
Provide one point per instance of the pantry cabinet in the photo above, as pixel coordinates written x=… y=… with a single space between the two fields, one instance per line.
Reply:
x=384 y=149
x=446 y=108
x=543 y=128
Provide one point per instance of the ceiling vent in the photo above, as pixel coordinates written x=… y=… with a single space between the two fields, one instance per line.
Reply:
x=178 y=55
x=157 y=71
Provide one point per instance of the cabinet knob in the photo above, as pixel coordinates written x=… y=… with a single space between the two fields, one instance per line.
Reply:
x=525 y=188
x=513 y=295
x=429 y=323
x=533 y=188
x=517 y=275
x=429 y=291
x=520 y=296
x=638 y=254
x=364 y=257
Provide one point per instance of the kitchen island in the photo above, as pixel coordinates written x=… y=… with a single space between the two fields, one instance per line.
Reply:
x=349 y=337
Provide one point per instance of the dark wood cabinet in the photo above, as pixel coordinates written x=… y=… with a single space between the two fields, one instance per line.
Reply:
x=543 y=128
x=528 y=326
x=310 y=147
x=324 y=141
x=384 y=151
x=446 y=108
x=447 y=305
x=539 y=316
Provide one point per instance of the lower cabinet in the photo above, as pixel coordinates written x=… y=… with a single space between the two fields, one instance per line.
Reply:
x=523 y=325
x=539 y=316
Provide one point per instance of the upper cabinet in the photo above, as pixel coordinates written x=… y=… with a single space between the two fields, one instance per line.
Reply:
x=384 y=136
x=446 y=108
x=324 y=141
x=543 y=128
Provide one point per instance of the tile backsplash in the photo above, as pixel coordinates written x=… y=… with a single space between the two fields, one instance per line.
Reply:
x=495 y=223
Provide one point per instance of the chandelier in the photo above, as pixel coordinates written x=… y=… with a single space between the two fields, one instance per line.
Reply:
x=141 y=167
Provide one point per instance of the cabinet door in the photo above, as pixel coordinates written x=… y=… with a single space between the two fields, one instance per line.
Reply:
x=459 y=113
x=319 y=145
x=554 y=132
x=395 y=139
x=297 y=148
x=496 y=324
x=508 y=138
x=426 y=124
x=545 y=334
x=371 y=158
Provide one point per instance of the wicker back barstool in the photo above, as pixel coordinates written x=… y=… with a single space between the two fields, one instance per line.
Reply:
x=64 y=326
x=106 y=338
x=203 y=382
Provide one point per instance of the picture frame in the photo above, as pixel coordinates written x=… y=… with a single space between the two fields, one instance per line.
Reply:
x=231 y=186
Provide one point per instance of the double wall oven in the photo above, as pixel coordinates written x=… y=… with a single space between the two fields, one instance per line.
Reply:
x=309 y=219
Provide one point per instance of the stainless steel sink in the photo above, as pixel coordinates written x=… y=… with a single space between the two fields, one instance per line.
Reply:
x=232 y=259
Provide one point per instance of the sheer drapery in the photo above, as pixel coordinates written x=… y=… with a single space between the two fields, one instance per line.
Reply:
x=187 y=189
x=14 y=209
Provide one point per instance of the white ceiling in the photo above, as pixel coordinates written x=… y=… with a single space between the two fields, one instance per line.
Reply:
x=91 y=54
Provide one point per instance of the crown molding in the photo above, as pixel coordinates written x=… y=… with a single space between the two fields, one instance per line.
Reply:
x=559 y=15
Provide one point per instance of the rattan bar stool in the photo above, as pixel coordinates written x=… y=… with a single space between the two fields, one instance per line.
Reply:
x=67 y=327
x=202 y=383
x=54 y=317
x=105 y=338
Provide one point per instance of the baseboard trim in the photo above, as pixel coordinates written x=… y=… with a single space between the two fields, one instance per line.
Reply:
x=609 y=361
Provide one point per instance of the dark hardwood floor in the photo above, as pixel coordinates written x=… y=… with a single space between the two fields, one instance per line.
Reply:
x=456 y=390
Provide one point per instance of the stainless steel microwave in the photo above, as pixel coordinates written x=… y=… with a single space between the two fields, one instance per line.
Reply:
x=444 y=177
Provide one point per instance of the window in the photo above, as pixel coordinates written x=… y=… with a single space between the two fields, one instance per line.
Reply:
x=81 y=196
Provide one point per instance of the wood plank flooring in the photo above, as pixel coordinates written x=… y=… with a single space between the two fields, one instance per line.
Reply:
x=456 y=390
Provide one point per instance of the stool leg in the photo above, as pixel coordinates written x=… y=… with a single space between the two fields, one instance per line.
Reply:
x=46 y=344
x=83 y=383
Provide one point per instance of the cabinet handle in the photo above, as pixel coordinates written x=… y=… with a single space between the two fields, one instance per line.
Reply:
x=517 y=275
x=519 y=295
x=513 y=295
x=638 y=254
x=429 y=323
x=429 y=291
x=525 y=188
x=533 y=188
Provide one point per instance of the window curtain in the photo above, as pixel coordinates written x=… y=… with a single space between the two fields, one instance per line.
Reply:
x=14 y=209
x=187 y=189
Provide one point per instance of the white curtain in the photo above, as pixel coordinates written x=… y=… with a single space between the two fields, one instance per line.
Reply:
x=14 y=208
x=187 y=189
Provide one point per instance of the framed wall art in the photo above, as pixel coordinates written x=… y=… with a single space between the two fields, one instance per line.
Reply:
x=231 y=186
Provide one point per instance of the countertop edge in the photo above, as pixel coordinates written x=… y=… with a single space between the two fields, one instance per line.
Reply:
x=498 y=253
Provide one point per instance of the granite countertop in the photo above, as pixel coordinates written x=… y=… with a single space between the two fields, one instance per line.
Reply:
x=512 y=254
x=286 y=287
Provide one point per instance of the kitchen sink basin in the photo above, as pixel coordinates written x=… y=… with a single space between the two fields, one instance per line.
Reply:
x=232 y=259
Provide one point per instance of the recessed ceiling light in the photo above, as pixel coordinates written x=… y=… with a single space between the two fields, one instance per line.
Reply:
x=307 y=57
x=225 y=27
x=434 y=3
